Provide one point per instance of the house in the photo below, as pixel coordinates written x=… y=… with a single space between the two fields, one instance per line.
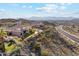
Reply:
x=17 y=30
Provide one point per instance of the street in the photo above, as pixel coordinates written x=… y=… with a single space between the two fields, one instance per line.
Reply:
x=71 y=36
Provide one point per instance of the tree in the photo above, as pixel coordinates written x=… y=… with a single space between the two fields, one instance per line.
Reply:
x=73 y=26
x=37 y=49
x=2 y=47
x=2 y=35
x=45 y=52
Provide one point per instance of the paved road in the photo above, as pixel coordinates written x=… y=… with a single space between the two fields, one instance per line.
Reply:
x=25 y=51
x=31 y=36
x=71 y=36
x=34 y=34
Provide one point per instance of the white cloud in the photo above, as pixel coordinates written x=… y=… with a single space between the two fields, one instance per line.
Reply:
x=30 y=6
x=2 y=10
x=69 y=3
x=55 y=10
x=64 y=4
x=24 y=6
x=52 y=5
x=60 y=11
x=47 y=8
x=14 y=4
x=62 y=7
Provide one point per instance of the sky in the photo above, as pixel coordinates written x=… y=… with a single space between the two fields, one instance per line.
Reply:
x=24 y=10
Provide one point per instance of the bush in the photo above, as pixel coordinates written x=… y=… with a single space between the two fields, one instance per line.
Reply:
x=45 y=52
